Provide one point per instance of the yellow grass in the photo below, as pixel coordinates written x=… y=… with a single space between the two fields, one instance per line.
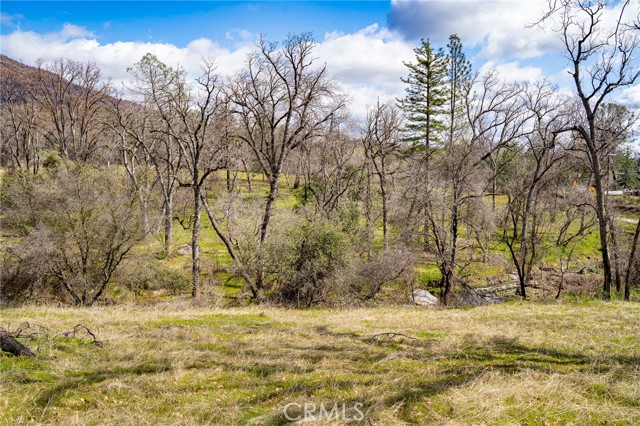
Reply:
x=516 y=363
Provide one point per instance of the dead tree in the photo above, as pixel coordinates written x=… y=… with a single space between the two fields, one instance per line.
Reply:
x=602 y=59
x=280 y=101
x=382 y=138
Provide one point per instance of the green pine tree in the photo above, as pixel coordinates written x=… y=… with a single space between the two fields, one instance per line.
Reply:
x=458 y=74
x=426 y=96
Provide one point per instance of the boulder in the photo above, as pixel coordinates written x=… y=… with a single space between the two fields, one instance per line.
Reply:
x=424 y=298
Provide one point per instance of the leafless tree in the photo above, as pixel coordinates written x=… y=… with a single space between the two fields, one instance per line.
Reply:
x=382 y=141
x=529 y=192
x=71 y=96
x=190 y=116
x=19 y=126
x=494 y=118
x=281 y=100
x=602 y=56
x=85 y=223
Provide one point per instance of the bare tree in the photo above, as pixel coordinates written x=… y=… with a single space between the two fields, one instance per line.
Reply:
x=85 y=223
x=529 y=192
x=71 y=96
x=20 y=124
x=602 y=57
x=190 y=117
x=331 y=168
x=382 y=140
x=281 y=100
x=491 y=110
x=144 y=133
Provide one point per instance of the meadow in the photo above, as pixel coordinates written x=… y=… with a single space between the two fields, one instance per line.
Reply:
x=175 y=363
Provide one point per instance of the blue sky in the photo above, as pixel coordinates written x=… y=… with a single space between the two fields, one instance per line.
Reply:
x=363 y=42
x=181 y=22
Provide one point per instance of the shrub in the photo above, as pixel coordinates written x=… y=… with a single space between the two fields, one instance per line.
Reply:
x=302 y=265
x=82 y=224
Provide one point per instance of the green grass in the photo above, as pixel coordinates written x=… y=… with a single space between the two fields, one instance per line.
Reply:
x=516 y=363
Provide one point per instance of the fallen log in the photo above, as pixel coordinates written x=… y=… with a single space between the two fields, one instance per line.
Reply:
x=9 y=344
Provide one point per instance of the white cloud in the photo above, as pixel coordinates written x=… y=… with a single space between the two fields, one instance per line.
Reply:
x=512 y=71
x=114 y=58
x=368 y=64
x=8 y=20
x=70 y=31
x=498 y=28
x=630 y=96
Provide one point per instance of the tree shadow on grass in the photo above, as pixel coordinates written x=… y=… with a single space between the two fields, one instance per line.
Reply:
x=87 y=378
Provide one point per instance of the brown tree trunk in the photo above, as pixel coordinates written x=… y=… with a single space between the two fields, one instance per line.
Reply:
x=602 y=223
x=195 y=247
x=383 y=193
x=168 y=224
x=9 y=344
x=616 y=259
x=630 y=264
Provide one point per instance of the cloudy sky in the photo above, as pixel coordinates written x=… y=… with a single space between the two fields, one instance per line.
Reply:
x=364 y=43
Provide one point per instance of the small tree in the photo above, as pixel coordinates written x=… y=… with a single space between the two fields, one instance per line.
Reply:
x=301 y=268
x=381 y=139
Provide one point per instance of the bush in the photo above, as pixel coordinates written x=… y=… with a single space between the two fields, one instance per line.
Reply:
x=141 y=275
x=301 y=267
x=81 y=225
x=364 y=279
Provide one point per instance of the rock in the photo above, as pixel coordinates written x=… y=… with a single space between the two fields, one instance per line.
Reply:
x=424 y=298
x=184 y=250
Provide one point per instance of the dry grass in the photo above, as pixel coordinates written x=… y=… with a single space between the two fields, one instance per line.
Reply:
x=519 y=363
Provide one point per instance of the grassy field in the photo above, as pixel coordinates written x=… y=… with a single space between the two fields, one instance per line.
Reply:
x=176 y=364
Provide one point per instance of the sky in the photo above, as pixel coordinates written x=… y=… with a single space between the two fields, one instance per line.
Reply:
x=363 y=43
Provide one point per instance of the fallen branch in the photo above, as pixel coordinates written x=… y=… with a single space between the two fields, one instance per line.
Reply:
x=9 y=344
x=78 y=328
x=391 y=335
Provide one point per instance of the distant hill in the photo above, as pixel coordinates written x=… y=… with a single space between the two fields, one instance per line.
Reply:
x=14 y=78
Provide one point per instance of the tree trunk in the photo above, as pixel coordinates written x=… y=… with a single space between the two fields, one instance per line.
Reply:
x=247 y=173
x=616 y=259
x=195 y=247
x=266 y=218
x=632 y=255
x=168 y=224
x=257 y=292
x=383 y=193
x=9 y=344
x=602 y=223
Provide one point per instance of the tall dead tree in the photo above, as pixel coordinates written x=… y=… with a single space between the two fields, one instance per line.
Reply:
x=282 y=99
x=602 y=56
x=382 y=139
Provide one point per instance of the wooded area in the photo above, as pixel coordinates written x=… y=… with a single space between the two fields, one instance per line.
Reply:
x=464 y=181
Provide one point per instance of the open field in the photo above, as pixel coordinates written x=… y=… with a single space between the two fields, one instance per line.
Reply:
x=515 y=363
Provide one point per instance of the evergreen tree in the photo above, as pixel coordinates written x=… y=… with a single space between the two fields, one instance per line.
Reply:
x=425 y=99
x=626 y=170
x=458 y=77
